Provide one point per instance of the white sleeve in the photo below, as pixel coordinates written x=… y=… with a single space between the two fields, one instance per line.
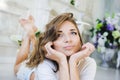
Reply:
x=45 y=71
x=88 y=70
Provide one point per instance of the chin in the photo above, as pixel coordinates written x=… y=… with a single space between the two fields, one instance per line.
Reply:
x=69 y=53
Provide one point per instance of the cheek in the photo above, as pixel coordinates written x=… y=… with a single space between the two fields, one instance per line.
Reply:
x=78 y=44
x=57 y=45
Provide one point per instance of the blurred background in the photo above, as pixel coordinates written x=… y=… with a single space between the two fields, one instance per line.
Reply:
x=98 y=22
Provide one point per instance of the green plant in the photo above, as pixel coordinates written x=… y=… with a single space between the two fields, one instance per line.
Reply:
x=72 y=2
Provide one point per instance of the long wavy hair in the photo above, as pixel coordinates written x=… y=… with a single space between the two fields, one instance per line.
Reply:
x=50 y=34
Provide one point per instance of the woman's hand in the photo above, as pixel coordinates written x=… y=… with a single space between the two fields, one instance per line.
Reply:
x=60 y=58
x=86 y=50
x=29 y=27
x=53 y=54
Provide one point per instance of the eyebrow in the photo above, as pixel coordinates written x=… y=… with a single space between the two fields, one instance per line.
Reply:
x=70 y=30
x=73 y=30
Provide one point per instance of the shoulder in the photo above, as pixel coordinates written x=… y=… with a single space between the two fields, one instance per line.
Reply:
x=90 y=60
x=45 y=70
x=47 y=64
x=87 y=61
x=87 y=68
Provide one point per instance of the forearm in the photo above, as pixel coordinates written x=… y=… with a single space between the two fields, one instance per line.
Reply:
x=63 y=70
x=74 y=71
x=24 y=50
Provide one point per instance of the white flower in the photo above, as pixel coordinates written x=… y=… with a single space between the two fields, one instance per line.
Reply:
x=119 y=40
x=102 y=40
x=16 y=38
x=105 y=34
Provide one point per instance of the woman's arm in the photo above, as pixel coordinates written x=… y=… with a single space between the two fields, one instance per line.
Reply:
x=63 y=69
x=61 y=59
x=23 y=51
x=74 y=72
x=29 y=37
x=87 y=49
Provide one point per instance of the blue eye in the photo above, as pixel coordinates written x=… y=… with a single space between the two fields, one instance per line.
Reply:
x=74 y=33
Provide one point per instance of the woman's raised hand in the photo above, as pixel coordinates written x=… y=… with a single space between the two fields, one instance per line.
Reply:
x=86 y=50
x=53 y=54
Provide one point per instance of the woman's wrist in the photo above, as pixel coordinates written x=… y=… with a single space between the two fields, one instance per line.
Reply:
x=74 y=71
x=62 y=61
x=64 y=69
x=72 y=63
x=73 y=66
x=73 y=60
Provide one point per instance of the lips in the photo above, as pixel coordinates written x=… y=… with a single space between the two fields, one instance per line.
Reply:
x=68 y=47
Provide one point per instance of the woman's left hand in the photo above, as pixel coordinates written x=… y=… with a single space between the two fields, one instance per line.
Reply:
x=86 y=50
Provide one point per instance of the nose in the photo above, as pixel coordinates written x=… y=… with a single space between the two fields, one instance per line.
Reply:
x=67 y=39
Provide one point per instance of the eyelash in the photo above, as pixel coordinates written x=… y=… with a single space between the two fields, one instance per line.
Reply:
x=75 y=33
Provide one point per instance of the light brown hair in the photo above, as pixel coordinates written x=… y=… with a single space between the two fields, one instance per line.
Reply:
x=50 y=34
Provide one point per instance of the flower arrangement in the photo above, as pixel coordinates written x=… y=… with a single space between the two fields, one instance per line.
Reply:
x=106 y=38
x=106 y=33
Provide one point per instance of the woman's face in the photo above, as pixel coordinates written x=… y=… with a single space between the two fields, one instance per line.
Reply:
x=68 y=41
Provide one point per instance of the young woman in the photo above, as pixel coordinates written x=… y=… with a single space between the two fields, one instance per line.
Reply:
x=58 y=53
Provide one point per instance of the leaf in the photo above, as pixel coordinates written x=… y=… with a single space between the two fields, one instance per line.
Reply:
x=37 y=33
x=72 y=2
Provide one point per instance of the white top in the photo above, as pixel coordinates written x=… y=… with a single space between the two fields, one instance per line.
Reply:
x=45 y=70
x=87 y=69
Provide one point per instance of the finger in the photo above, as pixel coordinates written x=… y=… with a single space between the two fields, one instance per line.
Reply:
x=47 y=55
x=49 y=44
x=84 y=46
x=48 y=47
x=90 y=46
